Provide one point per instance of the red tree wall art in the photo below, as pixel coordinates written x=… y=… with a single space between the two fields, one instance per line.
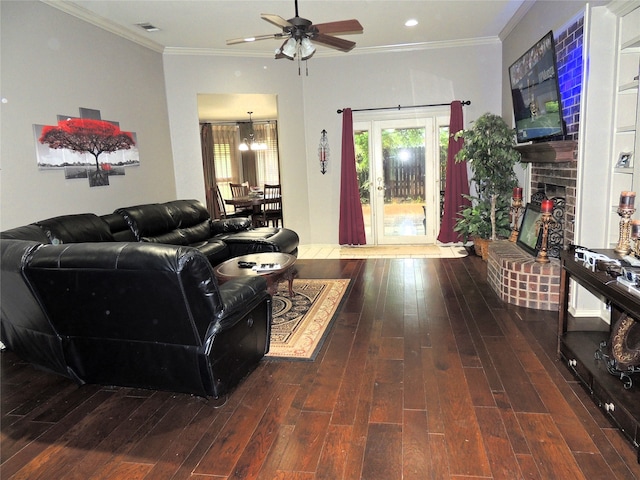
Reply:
x=85 y=135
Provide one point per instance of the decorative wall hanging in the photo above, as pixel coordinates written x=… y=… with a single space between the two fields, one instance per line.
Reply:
x=323 y=151
x=86 y=147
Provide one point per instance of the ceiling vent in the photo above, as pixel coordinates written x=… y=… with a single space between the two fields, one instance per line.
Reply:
x=148 y=27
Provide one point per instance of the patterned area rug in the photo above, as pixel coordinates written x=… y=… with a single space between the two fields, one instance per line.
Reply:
x=300 y=324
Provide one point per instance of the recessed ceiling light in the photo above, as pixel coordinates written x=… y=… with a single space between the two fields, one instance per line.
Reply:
x=148 y=27
x=412 y=22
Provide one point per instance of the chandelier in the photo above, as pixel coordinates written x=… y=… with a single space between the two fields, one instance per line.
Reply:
x=251 y=143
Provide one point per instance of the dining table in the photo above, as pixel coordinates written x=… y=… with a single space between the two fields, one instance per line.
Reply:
x=254 y=202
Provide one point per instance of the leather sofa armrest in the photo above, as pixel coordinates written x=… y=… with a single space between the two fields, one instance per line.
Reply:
x=236 y=295
x=230 y=225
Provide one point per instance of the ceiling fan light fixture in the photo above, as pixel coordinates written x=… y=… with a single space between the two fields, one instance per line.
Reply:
x=301 y=36
x=289 y=48
x=244 y=146
x=306 y=49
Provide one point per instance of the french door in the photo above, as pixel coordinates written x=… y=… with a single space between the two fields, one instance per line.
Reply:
x=399 y=175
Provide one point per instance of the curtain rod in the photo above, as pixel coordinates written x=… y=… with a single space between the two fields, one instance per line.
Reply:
x=400 y=107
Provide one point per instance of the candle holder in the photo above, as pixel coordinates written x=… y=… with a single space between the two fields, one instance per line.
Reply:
x=546 y=221
x=624 y=241
x=515 y=209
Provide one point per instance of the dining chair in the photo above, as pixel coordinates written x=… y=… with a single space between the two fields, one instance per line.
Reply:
x=272 y=208
x=221 y=206
x=240 y=190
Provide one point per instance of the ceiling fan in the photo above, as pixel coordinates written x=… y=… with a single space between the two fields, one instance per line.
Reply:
x=300 y=33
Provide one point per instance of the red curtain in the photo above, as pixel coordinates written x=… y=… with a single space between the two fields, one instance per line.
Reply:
x=457 y=183
x=351 y=230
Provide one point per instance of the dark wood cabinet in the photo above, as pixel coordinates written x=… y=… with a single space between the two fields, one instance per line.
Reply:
x=579 y=340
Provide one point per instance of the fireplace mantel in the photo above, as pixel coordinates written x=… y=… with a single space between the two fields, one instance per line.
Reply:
x=548 y=152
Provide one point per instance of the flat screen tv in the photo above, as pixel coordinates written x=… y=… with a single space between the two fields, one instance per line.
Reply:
x=536 y=94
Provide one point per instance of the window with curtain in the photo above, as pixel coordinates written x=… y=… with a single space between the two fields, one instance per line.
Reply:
x=226 y=157
x=267 y=164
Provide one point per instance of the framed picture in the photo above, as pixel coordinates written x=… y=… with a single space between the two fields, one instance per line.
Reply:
x=530 y=235
x=624 y=160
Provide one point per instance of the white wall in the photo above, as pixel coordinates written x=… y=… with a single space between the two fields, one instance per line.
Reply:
x=190 y=75
x=53 y=63
x=307 y=105
x=384 y=80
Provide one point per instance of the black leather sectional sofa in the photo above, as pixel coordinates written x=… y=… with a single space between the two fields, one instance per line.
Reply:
x=130 y=298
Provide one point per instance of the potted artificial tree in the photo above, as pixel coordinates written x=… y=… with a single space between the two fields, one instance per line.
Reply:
x=489 y=150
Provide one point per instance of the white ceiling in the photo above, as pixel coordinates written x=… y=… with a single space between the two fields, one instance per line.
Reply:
x=203 y=26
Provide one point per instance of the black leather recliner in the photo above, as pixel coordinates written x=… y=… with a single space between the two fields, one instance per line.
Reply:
x=138 y=315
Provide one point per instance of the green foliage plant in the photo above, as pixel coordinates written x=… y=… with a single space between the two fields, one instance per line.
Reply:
x=475 y=220
x=489 y=150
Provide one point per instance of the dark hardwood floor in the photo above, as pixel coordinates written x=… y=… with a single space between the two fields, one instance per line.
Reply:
x=425 y=374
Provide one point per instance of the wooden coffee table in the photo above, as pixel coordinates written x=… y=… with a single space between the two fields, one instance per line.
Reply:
x=287 y=271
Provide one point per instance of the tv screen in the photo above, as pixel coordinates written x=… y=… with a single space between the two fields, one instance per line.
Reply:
x=529 y=235
x=535 y=93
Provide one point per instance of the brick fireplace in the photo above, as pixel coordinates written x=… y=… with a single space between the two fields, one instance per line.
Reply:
x=513 y=273
x=518 y=279
x=554 y=170
x=556 y=177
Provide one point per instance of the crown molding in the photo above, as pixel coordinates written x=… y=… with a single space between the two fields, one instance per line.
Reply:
x=406 y=47
x=90 y=17
x=513 y=21
x=334 y=53
x=622 y=8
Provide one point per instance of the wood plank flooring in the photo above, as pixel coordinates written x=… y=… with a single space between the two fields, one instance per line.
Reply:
x=425 y=374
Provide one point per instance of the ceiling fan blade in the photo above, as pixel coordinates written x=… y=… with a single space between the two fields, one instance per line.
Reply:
x=334 y=42
x=276 y=20
x=344 y=27
x=235 y=41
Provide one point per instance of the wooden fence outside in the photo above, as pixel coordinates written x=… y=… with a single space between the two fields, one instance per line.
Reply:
x=404 y=175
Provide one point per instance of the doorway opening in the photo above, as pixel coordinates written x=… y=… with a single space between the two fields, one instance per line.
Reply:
x=227 y=123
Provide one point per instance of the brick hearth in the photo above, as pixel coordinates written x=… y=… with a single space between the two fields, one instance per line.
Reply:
x=518 y=279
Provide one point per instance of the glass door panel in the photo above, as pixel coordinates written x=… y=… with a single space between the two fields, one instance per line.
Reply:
x=404 y=175
x=398 y=163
